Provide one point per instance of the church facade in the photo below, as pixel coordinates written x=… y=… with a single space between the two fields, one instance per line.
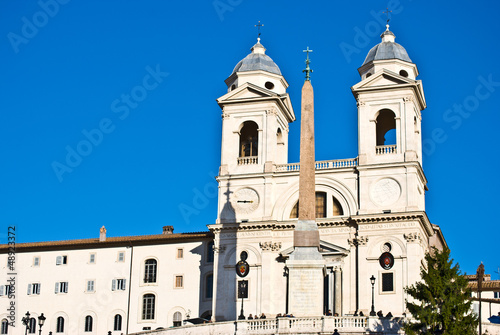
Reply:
x=370 y=213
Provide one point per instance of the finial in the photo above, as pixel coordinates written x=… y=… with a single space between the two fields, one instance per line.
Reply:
x=258 y=29
x=387 y=11
x=308 y=69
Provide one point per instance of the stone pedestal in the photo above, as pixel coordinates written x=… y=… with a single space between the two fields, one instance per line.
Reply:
x=306 y=274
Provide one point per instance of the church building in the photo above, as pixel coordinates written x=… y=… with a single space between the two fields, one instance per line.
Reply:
x=370 y=219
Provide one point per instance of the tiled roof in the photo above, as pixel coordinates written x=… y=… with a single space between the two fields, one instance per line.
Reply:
x=489 y=285
x=109 y=242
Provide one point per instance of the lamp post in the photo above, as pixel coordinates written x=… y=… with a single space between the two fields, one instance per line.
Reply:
x=41 y=321
x=26 y=322
x=372 y=281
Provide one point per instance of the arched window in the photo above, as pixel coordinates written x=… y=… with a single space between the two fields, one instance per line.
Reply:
x=249 y=139
x=209 y=286
x=117 y=324
x=320 y=207
x=177 y=319
x=60 y=325
x=32 y=326
x=5 y=327
x=279 y=136
x=88 y=323
x=386 y=127
x=150 y=271
x=337 y=208
x=148 y=307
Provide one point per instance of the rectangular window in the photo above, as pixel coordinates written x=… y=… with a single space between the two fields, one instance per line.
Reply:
x=179 y=282
x=34 y=288
x=180 y=253
x=8 y=290
x=60 y=260
x=210 y=252
x=388 y=282
x=121 y=256
x=90 y=286
x=36 y=261
x=92 y=259
x=61 y=287
x=118 y=284
x=320 y=204
x=497 y=295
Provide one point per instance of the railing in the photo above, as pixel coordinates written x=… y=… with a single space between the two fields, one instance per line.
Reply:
x=349 y=322
x=321 y=165
x=247 y=160
x=385 y=149
x=263 y=324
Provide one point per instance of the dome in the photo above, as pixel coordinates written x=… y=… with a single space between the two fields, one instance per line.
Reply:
x=257 y=60
x=387 y=49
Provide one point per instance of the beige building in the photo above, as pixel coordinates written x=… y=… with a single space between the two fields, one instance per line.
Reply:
x=370 y=211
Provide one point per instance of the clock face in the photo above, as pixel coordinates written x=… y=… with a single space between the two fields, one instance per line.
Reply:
x=385 y=192
x=245 y=200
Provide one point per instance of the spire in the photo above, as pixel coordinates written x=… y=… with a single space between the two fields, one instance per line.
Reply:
x=308 y=61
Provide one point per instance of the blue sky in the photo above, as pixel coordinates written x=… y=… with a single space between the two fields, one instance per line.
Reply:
x=68 y=66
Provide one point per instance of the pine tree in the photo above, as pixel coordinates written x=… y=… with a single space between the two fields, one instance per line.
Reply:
x=444 y=300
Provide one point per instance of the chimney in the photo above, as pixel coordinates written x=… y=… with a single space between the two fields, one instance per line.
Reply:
x=168 y=230
x=102 y=234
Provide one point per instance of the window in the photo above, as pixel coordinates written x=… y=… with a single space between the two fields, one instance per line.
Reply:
x=61 y=287
x=92 y=259
x=386 y=121
x=249 y=136
x=320 y=207
x=210 y=252
x=209 y=286
x=118 y=284
x=177 y=319
x=150 y=271
x=90 y=285
x=5 y=290
x=121 y=256
x=36 y=261
x=180 y=253
x=88 y=323
x=5 y=327
x=34 y=288
x=60 y=260
x=388 y=282
x=496 y=295
x=179 y=282
x=32 y=326
x=117 y=324
x=148 y=307
x=60 y=325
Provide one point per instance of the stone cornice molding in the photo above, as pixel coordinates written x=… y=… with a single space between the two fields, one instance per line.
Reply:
x=419 y=216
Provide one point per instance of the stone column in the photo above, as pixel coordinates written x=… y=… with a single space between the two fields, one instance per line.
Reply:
x=338 y=291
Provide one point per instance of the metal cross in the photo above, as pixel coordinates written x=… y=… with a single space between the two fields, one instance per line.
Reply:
x=258 y=27
x=308 y=69
x=387 y=11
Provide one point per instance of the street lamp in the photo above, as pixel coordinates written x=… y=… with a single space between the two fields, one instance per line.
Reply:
x=372 y=281
x=41 y=321
x=26 y=322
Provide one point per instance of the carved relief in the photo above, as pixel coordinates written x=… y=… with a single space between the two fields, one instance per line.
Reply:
x=408 y=99
x=270 y=246
x=220 y=249
x=225 y=116
x=360 y=240
x=360 y=103
x=272 y=111
x=413 y=237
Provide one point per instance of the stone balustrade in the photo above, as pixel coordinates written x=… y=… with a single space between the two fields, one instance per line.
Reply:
x=303 y=325
x=247 y=160
x=321 y=165
x=385 y=149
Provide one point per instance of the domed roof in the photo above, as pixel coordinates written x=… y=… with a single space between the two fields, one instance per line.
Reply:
x=387 y=49
x=257 y=60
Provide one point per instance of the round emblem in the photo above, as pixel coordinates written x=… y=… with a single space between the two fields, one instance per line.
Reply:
x=242 y=268
x=386 y=261
x=385 y=192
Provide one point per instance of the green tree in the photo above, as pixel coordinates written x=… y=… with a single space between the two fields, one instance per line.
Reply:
x=441 y=301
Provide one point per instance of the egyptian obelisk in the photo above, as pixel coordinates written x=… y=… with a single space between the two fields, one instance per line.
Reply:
x=306 y=263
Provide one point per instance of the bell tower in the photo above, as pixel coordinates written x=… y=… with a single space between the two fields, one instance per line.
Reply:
x=256 y=111
x=390 y=102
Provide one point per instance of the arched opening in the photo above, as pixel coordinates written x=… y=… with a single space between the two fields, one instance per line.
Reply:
x=249 y=139
x=177 y=321
x=403 y=73
x=148 y=307
x=60 y=325
x=368 y=75
x=321 y=207
x=150 y=271
x=336 y=208
x=32 y=326
x=5 y=327
x=386 y=121
x=279 y=136
x=88 y=323
x=117 y=322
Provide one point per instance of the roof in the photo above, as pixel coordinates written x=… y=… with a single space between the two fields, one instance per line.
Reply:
x=387 y=49
x=109 y=242
x=257 y=60
x=490 y=285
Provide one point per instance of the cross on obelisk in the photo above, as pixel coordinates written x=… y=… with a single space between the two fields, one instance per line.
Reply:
x=258 y=27
x=307 y=70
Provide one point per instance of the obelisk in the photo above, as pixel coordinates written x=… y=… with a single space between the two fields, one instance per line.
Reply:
x=306 y=263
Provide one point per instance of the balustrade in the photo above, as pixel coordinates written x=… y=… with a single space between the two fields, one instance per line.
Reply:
x=385 y=149
x=247 y=160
